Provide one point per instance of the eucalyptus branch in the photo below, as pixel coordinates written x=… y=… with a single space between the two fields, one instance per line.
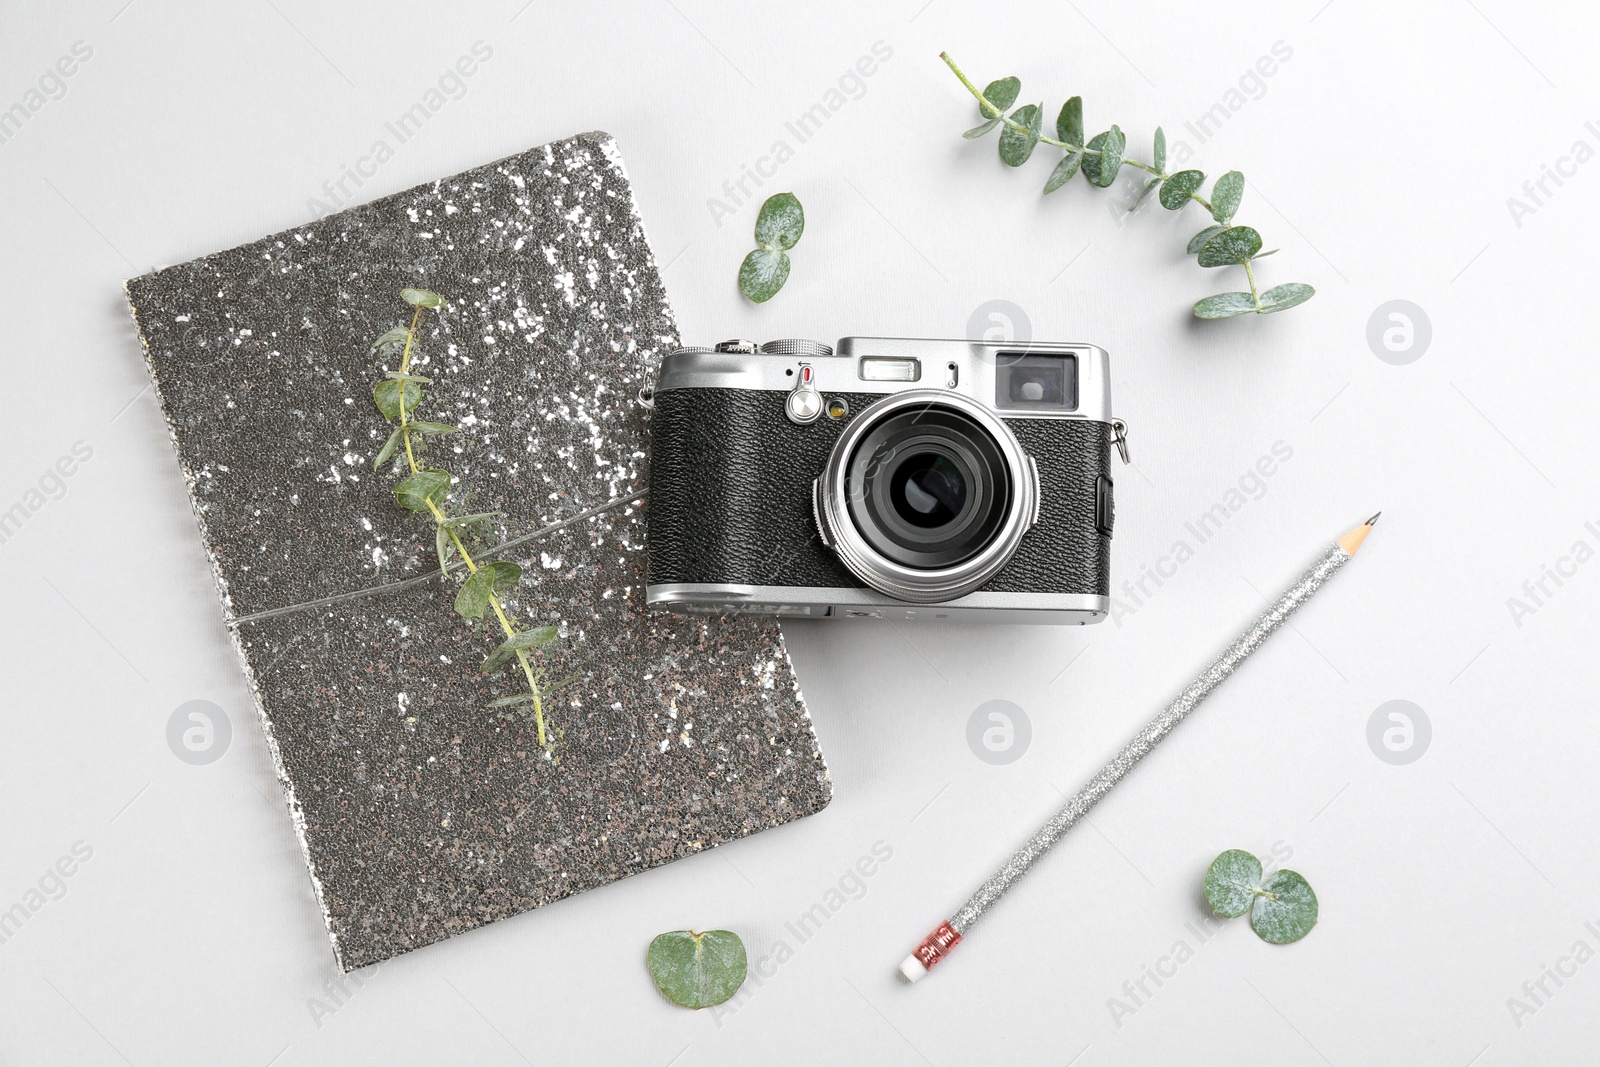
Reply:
x=1102 y=156
x=426 y=489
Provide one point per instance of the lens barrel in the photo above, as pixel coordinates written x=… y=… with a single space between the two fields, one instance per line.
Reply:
x=926 y=495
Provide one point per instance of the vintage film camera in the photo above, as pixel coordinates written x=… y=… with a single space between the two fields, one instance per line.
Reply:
x=895 y=478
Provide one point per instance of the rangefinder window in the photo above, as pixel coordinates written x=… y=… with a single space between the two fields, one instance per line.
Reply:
x=1036 y=383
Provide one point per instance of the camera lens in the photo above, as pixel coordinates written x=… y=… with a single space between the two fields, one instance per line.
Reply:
x=926 y=495
x=927 y=487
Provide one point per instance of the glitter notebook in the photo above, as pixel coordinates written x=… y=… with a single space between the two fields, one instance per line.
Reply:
x=422 y=812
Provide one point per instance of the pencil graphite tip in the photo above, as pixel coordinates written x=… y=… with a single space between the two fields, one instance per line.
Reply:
x=1373 y=521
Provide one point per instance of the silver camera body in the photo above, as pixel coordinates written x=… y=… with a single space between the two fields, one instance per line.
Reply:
x=894 y=478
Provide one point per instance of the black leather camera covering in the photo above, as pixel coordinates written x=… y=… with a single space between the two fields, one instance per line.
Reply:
x=730 y=496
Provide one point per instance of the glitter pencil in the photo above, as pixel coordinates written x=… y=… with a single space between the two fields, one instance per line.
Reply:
x=948 y=934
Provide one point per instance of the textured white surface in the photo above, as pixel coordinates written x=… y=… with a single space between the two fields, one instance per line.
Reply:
x=1380 y=158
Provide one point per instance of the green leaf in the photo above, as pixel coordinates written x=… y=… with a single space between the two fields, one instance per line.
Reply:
x=1224 y=306
x=781 y=222
x=513 y=700
x=456 y=522
x=539 y=635
x=1143 y=193
x=386 y=395
x=1233 y=245
x=1198 y=240
x=402 y=376
x=762 y=274
x=425 y=298
x=1102 y=169
x=1232 y=880
x=1064 y=171
x=423 y=487
x=1158 y=158
x=1069 y=124
x=1286 y=910
x=490 y=579
x=472 y=599
x=697 y=970
x=525 y=639
x=1176 y=189
x=497 y=659
x=388 y=449
x=979 y=131
x=1001 y=94
x=432 y=429
x=1225 y=196
x=1285 y=296
x=443 y=546
x=394 y=336
x=1017 y=145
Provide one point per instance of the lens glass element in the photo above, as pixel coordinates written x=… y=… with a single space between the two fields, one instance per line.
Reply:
x=928 y=490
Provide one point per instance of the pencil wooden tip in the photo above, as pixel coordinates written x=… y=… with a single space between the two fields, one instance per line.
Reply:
x=1351 y=542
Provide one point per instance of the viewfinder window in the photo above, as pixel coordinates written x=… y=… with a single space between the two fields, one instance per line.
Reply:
x=1036 y=383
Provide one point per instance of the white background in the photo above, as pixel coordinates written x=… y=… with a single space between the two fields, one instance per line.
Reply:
x=1380 y=157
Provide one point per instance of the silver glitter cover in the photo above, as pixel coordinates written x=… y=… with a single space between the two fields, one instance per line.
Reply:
x=422 y=812
x=1147 y=739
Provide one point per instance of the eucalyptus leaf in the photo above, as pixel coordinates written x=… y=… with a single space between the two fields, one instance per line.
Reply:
x=472 y=599
x=1176 y=189
x=518 y=642
x=762 y=274
x=489 y=580
x=697 y=970
x=443 y=546
x=1224 y=306
x=1236 y=244
x=1198 y=240
x=458 y=521
x=1225 y=196
x=1143 y=194
x=1286 y=909
x=394 y=336
x=1285 y=296
x=1158 y=157
x=431 y=429
x=979 y=131
x=539 y=635
x=1102 y=169
x=422 y=488
x=425 y=298
x=1232 y=878
x=1000 y=94
x=388 y=448
x=418 y=490
x=386 y=395
x=1064 y=171
x=1017 y=145
x=1069 y=123
x=781 y=222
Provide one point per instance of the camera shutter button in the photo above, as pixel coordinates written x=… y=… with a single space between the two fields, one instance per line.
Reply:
x=804 y=403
